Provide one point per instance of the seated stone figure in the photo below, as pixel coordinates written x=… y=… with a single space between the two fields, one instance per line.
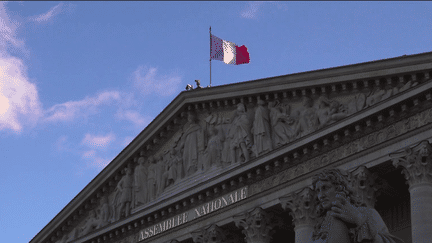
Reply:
x=342 y=218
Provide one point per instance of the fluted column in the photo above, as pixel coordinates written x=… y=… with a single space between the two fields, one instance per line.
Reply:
x=213 y=234
x=362 y=181
x=417 y=168
x=256 y=225
x=302 y=207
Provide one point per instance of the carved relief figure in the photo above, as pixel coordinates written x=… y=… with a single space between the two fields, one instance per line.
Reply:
x=123 y=195
x=172 y=172
x=261 y=130
x=239 y=135
x=140 y=183
x=282 y=125
x=375 y=96
x=151 y=180
x=342 y=217
x=213 y=150
x=223 y=127
x=159 y=170
x=330 y=111
x=91 y=224
x=192 y=144
x=308 y=119
x=104 y=211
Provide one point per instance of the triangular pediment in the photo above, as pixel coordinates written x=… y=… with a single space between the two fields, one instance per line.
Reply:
x=207 y=136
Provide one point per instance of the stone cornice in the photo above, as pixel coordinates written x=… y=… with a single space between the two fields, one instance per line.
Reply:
x=301 y=83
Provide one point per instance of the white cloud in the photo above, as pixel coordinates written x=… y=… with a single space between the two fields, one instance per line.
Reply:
x=93 y=161
x=45 y=17
x=73 y=109
x=98 y=142
x=133 y=116
x=19 y=100
x=148 y=82
x=251 y=11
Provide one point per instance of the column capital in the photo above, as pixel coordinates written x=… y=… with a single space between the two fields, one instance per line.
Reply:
x=362 y=182
x=256 y=224
x=302 y=205
x=213 y=234
x=416 y=163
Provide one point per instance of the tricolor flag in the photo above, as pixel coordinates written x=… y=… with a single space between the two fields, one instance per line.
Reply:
x=228 y=52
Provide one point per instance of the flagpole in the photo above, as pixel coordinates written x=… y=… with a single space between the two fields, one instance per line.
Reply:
x=210 y=54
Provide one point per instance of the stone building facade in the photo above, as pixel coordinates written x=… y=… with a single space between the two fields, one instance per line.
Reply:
x=234 y=163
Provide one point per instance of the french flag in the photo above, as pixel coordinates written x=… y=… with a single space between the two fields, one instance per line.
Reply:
x=228 y=52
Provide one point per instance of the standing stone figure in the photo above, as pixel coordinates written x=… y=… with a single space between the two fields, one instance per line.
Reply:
x=123 y=195
x=240 y=134
x=308 y=120
x=170 y=175
x=105 y=212
x=261 y=130
x=151 y=180
x=140 y=183
x=192 y=143
x=324 y=112
x=342 y=217
x=178 y=164
x=213 y=150
x=159 y=169
x=282 y=125
x=223 y=127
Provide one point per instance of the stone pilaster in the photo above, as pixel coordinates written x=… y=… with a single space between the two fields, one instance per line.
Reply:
x=256 y=225
x=362 y=181
x=302 y=206
x=417 y=168
x=213 y=234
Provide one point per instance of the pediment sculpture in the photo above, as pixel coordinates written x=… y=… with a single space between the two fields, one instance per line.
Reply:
x=227 y=137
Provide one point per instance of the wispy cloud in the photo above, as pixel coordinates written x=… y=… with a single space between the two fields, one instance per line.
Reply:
x=133 y=116
x=19 y=100
x=98 y=142
x=52 y=13
x=251 y=10
x=148 y=81
x=93 y=161
x=72 y=109
x=94 y=146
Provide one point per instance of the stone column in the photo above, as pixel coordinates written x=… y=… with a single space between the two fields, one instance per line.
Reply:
x=362 y=181
x=256 y=225
x=417 y=168
x=213 y=234
x=302 y=207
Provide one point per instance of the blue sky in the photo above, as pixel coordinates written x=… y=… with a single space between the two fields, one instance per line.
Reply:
x=79 y=80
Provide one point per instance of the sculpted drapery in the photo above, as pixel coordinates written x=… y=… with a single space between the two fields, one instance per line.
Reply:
x=282 y=125
x=192 y=144
x=239 y=134
x=140 y=183
x=261 y=130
